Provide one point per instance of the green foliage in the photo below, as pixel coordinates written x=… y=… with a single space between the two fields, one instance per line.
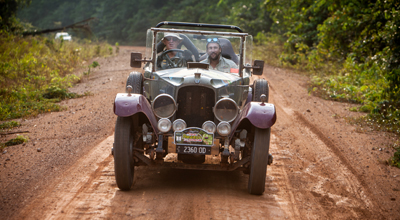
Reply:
x=54 y=92
x=35 y=72
x=129 y=25
x=8 y=10
x=395 y=159
x=93 y=65
x=9 y=124
x=117 y=48
x=269 y=48
x=351 y=47
x=20 y=139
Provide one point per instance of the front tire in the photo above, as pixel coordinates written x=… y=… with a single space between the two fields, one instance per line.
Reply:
x=260 y=87
x=135 y=80
x=259 y=161
x=123 y=154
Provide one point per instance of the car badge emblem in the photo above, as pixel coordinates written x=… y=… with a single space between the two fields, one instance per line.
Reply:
x=197 y=77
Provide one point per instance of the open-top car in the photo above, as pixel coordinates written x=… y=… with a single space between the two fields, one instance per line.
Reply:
x=183 y=112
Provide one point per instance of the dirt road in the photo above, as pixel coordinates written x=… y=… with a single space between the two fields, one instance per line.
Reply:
x=324 y=168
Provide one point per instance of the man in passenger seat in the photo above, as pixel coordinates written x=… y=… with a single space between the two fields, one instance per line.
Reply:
x=215 y=60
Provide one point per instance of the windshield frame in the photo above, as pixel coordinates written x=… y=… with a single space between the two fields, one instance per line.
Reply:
x=180 y=31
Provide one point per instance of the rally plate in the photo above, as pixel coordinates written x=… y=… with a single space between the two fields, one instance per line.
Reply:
x=193 y=137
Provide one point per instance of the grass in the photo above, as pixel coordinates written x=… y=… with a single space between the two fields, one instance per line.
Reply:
x=395 y=159
x=36 y=72
x=9 y=124
x=20 y=139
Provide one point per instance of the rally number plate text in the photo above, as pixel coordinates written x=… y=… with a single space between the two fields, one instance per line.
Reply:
x=193 y=150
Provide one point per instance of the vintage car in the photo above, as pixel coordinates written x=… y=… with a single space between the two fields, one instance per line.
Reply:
x=190 y=116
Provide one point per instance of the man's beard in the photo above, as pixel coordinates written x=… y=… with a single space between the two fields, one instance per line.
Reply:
x=215 y=58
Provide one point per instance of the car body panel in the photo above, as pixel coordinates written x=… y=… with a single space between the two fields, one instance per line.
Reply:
x=260 y=115
x=126 y=105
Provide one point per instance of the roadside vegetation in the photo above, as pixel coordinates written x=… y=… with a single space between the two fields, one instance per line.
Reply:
x=37 y=71
x=395 y=159
x=20 y=139
x=351 y=50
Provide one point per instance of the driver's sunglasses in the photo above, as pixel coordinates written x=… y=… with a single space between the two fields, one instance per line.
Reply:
x=213 y=40
x=171 y=38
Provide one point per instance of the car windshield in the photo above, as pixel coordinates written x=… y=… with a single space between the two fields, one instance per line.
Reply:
x=175 y=50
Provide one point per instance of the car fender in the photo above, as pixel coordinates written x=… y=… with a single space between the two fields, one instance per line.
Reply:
x=260 y=115
x=126 y=105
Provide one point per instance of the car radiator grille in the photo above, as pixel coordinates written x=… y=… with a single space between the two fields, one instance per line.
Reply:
x=195 y=105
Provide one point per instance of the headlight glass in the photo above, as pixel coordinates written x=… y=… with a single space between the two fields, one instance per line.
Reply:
x=224 y=128
x=226 y=110
x=179 y=125
x=164 y=125
x=164 y=106
x=209 y=126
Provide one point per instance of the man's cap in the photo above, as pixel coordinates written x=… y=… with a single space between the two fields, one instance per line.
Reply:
x=172 y=35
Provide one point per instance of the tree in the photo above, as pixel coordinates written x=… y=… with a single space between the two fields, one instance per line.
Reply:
x=8 y=10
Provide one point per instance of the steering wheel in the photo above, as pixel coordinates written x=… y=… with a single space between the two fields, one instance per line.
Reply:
x=173 y=62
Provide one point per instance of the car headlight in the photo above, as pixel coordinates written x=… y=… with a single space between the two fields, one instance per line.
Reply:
x=226 y=110
x=209 y=126
x=164 y=125
x=164 y=106
x=179 y=125
x=224 y=128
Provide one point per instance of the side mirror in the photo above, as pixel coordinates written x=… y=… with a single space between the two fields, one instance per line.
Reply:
x=258 y=67
x=136 y=60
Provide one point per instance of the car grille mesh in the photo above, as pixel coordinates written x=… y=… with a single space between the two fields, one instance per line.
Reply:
x=195 y=105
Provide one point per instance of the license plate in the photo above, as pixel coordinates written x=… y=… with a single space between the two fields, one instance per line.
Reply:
x=203 y=150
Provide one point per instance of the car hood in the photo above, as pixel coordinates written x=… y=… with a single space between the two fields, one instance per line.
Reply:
x=214 y=78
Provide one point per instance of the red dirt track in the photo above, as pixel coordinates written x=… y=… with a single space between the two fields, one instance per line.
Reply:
x=324 y=168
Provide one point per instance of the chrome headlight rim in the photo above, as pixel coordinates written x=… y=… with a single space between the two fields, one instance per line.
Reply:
x=168 y=123
x=224 y=123
x=211 y=123
x=164 y=95
x=223 y=100
x=176 y=122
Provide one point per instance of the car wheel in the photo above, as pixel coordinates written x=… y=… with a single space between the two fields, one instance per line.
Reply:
x=134 y=80
x=260 y=87
x=259 y=161
x=123 y=154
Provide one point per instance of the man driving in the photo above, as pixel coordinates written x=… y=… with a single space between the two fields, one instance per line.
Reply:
x=166 y=61
x=215 y=60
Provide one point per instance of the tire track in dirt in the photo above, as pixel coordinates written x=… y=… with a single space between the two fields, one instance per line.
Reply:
x=312 y=175
x=334 y=149
x=319 y=174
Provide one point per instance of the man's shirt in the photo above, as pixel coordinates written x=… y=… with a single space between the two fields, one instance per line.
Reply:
x=224 y=64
